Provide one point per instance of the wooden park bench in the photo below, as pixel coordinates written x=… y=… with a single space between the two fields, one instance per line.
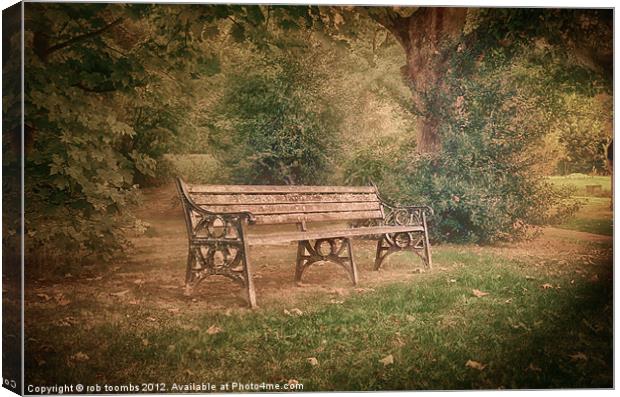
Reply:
x=223 y=221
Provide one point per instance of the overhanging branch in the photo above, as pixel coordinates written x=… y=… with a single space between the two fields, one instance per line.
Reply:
x=81 y=37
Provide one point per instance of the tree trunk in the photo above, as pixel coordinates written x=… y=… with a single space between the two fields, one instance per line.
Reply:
x=429 y=37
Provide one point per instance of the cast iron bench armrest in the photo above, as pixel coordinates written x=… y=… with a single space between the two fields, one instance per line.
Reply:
x=185 y=195
x=428 y=209
x=415 y=214
x=392 y=207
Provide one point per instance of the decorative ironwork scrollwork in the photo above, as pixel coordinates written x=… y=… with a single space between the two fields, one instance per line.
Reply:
x=395 y=242
x=406 y=216
x=336 y=250
x=216 y=248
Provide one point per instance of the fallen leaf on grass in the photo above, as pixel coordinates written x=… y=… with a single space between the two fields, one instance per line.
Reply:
x=594 y=278
x=174 y=310
x=45 y=297
x=398 y=341
x=66 y=322
x=293 y=312
x=138 y=282
x=120 y=293
x=475 y=365
x=153 y=319
x=479 y=294
x=452 y=280
x=546 y=286
x=313 y=361
x=336 y=302
x=214 y=329
x=293 y=382
x=338 y=291
x=578 y=356
x=387 y=360
x=145 y=342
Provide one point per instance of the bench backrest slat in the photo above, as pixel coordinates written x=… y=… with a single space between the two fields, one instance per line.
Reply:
x=272 y=189
x=201 y=198
x=271 y=209
x=288 y=204
x=316 y=217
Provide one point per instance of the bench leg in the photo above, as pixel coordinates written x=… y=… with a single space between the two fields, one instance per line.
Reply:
x=233 y=264
x=427 y=244
x=191 y=258
x=302 y=258
x=249 y=283
x=381 y=253
x=308 y=254
x=354 y=277
x=247 y=270
x=388 y=244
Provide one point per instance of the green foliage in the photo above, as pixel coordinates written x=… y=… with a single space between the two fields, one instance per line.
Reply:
x=584 y=134
x=579 y=183
x=199 y=168
x=380 y=163
x=98 y=119
x=579 y=38
x=276 y=125
x=486 y=183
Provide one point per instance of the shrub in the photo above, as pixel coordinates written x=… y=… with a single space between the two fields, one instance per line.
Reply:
x=276 y=124
x=486 y=183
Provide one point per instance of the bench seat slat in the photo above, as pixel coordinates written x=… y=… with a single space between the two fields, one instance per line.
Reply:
x=263 y=189
x=275 y=238
x=274 y=209
x=201 y=198
x=316 y=217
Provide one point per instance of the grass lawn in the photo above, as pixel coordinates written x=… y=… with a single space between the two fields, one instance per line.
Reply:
x=580 y=181
x=530 y=315
x=594 y=216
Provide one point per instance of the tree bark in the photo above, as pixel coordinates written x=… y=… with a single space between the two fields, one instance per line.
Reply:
x=429 y=36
